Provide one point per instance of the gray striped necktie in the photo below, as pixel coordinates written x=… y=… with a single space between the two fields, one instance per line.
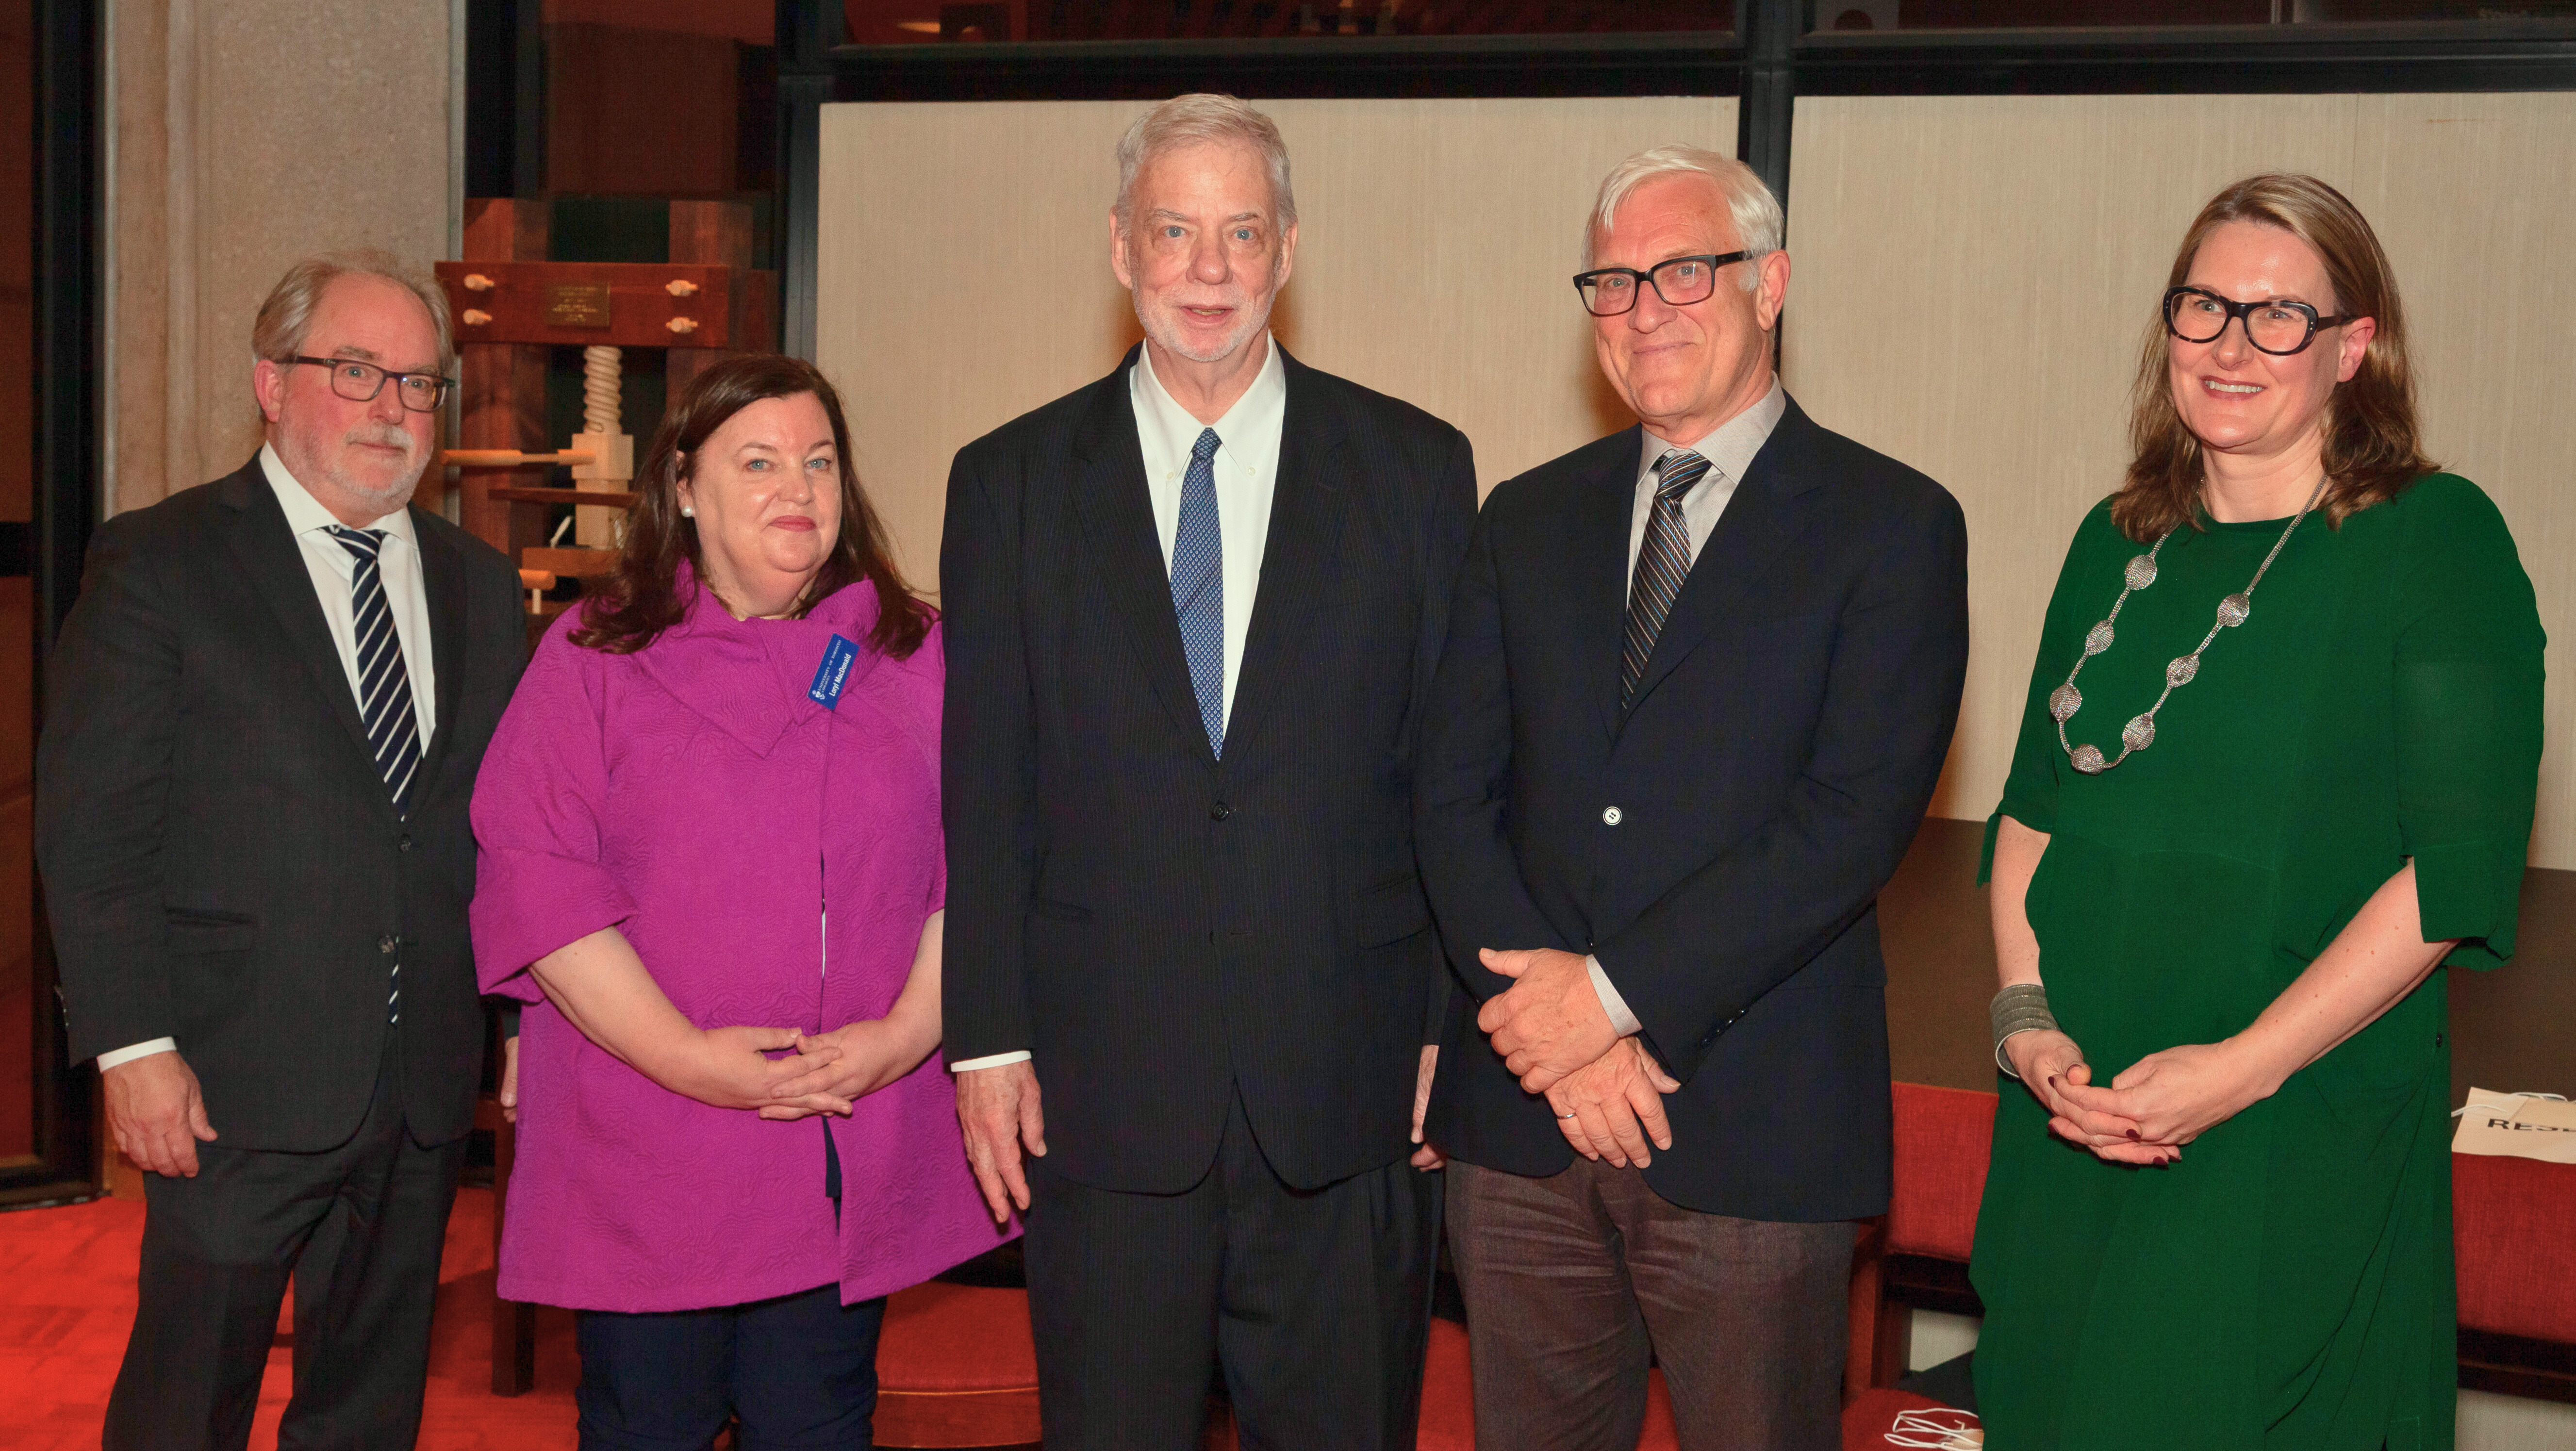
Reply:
x=1663 y=562
x=384 y=691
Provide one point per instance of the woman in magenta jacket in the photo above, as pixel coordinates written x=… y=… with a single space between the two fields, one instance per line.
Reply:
x=710 y=834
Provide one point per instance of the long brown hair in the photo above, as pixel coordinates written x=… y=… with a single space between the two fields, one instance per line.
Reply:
x=2372 y=449
x=642 y=599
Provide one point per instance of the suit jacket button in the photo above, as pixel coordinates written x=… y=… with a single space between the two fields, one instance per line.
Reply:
x=403 y=845
x=1612 y=816
x=1220 y=811
x=385 y=945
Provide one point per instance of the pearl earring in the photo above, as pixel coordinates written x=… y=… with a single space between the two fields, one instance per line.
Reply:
x=688 y=513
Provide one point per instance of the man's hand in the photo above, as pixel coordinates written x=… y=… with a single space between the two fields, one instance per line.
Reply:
x=510 y=1079
x=1608 y=1099
x=1428 y=1156
x=157 y=1113
x=998 y=1109
x=1548 y=1023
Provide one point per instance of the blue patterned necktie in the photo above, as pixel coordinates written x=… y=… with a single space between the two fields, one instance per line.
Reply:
x=1198 y=587
x=384 y=690
x=1662 y=564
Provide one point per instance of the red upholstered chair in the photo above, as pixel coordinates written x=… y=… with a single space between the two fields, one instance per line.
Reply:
x=1917 y=1257
x=2513 y=1223
x=956 y=1367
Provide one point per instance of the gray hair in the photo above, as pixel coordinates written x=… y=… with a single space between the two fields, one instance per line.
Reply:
x=1195 y=119
x=277 y=334
x=1749 y=203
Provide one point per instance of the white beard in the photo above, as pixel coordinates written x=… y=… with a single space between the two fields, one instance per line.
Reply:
x=384 y=499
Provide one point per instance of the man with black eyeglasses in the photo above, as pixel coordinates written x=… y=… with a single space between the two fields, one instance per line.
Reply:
x=1700 y=678
x=263 y=723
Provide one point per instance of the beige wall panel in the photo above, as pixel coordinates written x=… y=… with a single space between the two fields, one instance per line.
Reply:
x=964 y=272
x=219 y=187
x=1974 y=276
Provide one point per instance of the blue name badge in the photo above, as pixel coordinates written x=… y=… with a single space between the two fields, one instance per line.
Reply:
x=833 y=673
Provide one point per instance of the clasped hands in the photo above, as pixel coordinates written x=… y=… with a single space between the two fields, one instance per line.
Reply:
x=2151 y=1108
x=731 y=1067
x=1606 y=1091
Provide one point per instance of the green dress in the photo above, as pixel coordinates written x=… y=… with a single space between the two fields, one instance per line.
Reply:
x=2288 y=1284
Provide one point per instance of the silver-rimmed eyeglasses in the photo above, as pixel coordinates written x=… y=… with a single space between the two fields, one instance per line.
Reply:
x=1679 y=281
x=361 y=382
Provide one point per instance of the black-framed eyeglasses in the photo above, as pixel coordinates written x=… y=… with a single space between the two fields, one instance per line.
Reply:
x=2198 y=315
x=361 y=382
x=1679 y=281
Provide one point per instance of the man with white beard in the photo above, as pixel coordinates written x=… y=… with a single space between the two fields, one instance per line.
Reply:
x=1192 y=610
x=263 y=723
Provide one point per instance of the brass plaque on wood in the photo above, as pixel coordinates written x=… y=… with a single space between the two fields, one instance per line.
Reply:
x=577 y=304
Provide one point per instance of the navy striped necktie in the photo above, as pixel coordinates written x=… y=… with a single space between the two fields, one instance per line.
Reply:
x=1663 y=562
x=384 y=692
x=384 y=682
x=1198 y=587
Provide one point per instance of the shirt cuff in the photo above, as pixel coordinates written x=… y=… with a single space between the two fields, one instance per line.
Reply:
x=1622 y=1021
x=124 y=1056
x=996 y=1060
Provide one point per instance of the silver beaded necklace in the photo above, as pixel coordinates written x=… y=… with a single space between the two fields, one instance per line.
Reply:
x=2140 y=732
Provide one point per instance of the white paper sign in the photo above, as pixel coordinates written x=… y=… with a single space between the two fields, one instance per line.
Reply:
x=2517 y=1124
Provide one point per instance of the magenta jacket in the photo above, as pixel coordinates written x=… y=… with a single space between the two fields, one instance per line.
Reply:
x=695 y=797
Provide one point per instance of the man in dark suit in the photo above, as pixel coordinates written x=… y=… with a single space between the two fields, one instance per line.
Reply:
x=1700 y=679
x=1192 y=612
x=263 y=722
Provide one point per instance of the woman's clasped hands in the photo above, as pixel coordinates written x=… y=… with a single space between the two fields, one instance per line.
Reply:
x=731 y=1068
x=852 y=1062
x=2151 y=1108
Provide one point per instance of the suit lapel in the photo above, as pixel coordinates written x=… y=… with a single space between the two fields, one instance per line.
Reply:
x=1597 y=560
x=1759 y=521
x=1299 y=557
x=1117 y=514
x=267 y=552
x=443 y=577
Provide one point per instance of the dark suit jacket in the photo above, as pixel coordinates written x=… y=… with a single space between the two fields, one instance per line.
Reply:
x=1778 y=755
x=1161 y=928
x=221 y=862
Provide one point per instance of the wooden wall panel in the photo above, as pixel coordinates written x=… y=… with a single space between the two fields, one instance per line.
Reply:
x=965 y=267
x=1974 y=276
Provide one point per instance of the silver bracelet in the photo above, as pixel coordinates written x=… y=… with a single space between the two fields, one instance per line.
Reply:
x=2020 y=1008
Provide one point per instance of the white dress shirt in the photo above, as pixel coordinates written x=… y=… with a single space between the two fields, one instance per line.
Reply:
x=1247 y=478
x=1247 y=475
x=1729 y=449
x=334 y=572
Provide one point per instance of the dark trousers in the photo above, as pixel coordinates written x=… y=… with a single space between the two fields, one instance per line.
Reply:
x=1571 y=1281
x=800 y=1370
x=359 y=1228
x=1315 y=1304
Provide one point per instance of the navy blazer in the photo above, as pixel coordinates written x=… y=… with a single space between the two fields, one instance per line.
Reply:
x=1163 y=929
x=1719 y=843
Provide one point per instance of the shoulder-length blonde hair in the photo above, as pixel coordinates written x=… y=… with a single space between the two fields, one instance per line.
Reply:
x=2371 y=446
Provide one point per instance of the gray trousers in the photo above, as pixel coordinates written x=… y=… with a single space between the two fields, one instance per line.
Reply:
x=1574 y=1280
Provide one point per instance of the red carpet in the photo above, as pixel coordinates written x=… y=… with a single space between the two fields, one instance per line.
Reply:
x=67 y=1301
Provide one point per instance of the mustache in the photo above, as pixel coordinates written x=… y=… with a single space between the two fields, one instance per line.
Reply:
x=381 y=435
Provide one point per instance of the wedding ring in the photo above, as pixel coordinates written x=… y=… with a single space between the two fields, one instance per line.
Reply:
x=1567 y=1114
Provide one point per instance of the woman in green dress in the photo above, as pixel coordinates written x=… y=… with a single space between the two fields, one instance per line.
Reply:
x=2278 y=765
